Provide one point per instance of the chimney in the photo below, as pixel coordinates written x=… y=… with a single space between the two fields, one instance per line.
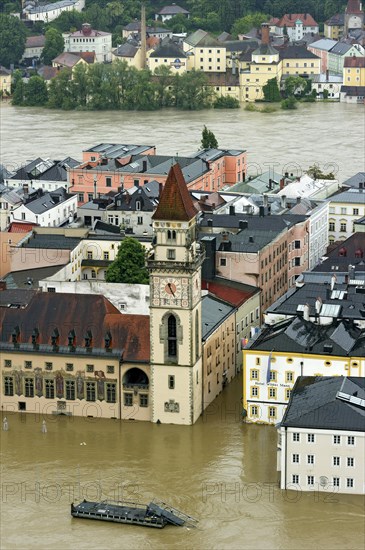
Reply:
x=144 y=166
x=243 y=224
x=232 y=211
x=266 y=201
x=251 y=239
x=262 y=211
x=327 y=74
x=160 y=188
x=265 y=33
x=86 y=29
x=282 y=183
x=306 y=312
x=299 y=199
x=95 y=188
x=270 y=183
x=283 y=201
x=143 y=36
x=333 y=281
x=25 y=188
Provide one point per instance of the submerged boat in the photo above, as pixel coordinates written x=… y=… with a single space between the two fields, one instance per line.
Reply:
x=155 y=514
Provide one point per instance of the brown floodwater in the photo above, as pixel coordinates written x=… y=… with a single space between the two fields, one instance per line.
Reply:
x=220 y=471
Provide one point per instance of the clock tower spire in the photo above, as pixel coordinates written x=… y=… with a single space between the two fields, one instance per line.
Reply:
x=175 y=306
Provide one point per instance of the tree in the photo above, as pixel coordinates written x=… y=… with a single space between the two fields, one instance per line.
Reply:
x=53 y=46
x=209 y=140
x=247 y=22
x=289 y=103
x=130 y=264
x=163 y=81
x=294 y=85
x=35 y=92
x=191 y=91
x=12 y=39
x=271 y=90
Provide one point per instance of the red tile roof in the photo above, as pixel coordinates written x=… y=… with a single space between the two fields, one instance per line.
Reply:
x=222 y=290
x=353 y=6
x=80 y=312
x=353 y=61
x=175 y=201
x=35 y=41
x=289 y=20
x=21 y=227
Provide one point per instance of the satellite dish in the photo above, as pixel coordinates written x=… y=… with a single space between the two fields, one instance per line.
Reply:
x=323 y=481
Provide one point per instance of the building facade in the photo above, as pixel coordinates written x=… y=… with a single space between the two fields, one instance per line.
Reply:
x=90 y=40
x=321 y=439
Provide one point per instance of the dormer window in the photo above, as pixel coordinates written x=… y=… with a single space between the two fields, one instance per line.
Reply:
x=138 y=205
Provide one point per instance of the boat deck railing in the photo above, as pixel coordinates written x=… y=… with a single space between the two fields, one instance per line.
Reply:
x=189 y=521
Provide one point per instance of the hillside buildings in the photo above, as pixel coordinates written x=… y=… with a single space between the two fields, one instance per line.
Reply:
x=90 y=40
x=39 y=11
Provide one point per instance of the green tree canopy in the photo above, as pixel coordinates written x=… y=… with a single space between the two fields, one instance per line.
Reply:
x=130 y=264
x=294 y=85
x=54 y=45
x=208 y=139
x=244 y=24
x=12 y=39
x=271 y=90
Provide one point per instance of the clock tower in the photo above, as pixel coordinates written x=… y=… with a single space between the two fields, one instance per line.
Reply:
x=175 y=306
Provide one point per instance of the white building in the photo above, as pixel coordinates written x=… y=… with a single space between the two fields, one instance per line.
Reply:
x=49 y=12
x=321 y=437
x=49 y=210
x=90 y=40
x=326 y=82
x=344 y=209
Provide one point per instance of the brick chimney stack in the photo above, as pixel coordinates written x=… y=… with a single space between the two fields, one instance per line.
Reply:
x=265 y=33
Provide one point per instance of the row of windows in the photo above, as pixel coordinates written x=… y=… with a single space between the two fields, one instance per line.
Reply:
x=69 y=367
x=255 y=412
x=336 y=460
x=128 y=399
x=49 y=389
x=343 y=210
x=336 y=482
x=272 y=392
x=337 y=439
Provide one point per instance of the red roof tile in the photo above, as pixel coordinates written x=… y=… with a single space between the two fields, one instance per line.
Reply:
x=222 y=290
x=175 y=201
x=21 y=227
x=353 y=61
x=80 y=312
x=289 y=20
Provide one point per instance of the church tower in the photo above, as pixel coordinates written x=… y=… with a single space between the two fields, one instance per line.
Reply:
x=354 y=16
x=175 y=306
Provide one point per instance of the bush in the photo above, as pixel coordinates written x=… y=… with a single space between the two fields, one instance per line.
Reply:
x=251 y=107
x=290 y=103
x=226 y=103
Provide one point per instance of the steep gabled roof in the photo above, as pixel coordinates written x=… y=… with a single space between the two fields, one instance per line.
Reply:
x=175 y=202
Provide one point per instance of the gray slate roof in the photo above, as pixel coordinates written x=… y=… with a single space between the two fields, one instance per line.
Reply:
x=51 y=241
x=352 y=196
x=314 y=404
x=214 y=311
x=300 y=336
x=355 y=180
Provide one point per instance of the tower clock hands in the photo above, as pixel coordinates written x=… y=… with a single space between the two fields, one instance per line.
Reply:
x=171 y=289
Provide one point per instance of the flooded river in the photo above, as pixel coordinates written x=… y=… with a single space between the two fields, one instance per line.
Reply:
x=330 y=134
x=219 y=470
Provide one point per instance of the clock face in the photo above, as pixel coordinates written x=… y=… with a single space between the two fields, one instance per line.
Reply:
x=170 y=287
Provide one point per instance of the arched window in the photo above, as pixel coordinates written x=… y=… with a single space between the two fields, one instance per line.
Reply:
x=171 y=336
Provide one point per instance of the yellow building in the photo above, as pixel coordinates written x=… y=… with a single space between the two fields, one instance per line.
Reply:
x=298 y=61
x=333 y=27
x=225 y=84
x=205 y=53
x=75 y=355
x=354 y=71
x=168 y=55
x=129 y=53
x=265 y=64
x=296 y=347
x=5 y=81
